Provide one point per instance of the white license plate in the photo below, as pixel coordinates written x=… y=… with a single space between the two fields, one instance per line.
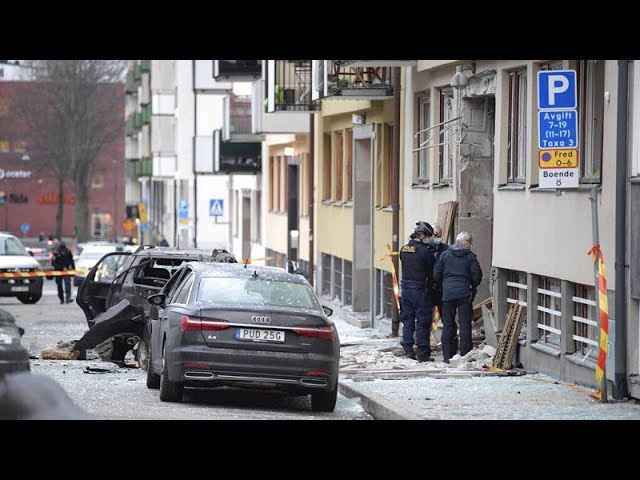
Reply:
x=257 y=335
x=19 y=289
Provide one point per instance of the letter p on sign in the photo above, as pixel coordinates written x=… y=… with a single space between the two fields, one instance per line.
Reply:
x=557 y=89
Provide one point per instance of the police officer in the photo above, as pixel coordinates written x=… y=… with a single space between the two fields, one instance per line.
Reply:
x=63 y=260
x=416 y=308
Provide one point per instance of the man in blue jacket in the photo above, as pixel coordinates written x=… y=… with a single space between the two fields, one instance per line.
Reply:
x=459 y=272
x=416 y=309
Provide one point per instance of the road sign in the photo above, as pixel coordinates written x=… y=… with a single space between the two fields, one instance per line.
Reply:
x=558 y=129
x=565 y=158
x=24 y=228
x=216 y=207
x=557 y=89
x=142 y=212
x=145 y=227
x=183 y=210
x=559 y=178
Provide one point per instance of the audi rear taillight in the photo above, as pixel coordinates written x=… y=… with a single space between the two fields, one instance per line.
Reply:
x=323 y=333
x=188 y=323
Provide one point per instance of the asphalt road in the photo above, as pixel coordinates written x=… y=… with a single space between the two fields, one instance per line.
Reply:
x=121 y=393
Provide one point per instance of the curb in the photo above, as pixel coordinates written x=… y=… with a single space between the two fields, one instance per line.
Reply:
x=378 y=408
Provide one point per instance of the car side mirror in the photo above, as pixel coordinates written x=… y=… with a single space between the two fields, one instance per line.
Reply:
x=159 y=299
x=153 y=312
x=31 y=253
x=327 y=311
x=21 y=330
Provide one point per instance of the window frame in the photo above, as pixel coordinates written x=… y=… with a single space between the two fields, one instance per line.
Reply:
x=517 y=121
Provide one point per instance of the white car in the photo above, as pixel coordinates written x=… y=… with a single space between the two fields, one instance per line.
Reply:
x=89 y=257
x=14 y=261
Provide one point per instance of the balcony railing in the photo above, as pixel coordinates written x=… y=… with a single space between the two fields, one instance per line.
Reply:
x=131 y=83
x=289 y=86
x=145 y=66
x=146 y=114
x=236 y=157
x=143 y=168
x=333 y=78
x=239 y=115
x=235 y=69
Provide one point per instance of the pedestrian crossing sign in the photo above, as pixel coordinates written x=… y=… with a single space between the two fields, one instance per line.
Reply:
x=216 y=207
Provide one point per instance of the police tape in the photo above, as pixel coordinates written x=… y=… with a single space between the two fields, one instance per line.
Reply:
x=48 y=273
x=603 y=303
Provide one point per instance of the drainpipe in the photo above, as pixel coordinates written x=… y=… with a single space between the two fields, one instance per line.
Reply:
x=395 y=189
x=620 y=367
x=310 y=166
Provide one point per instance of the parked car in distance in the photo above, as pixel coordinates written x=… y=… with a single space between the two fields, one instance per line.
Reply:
x=217 y=324
x=89 y=256
x=14 y=258
x=13 y=356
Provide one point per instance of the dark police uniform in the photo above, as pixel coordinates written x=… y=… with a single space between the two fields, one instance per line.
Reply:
x=416 y=307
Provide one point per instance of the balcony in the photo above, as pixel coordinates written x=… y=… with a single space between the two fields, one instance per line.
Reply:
x=237 y=70
x=334 y=79
x=262 y=122
x=288 y=84
x=236 y=157
x=146 y=114
x=130 y=128
x=204 y=81
x=143 y=168
x=131 y=85
x=379 y=63
x=145 y=66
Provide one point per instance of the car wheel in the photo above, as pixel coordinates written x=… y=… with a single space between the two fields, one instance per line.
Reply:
x=324 y=400
x=153 y=379
x=169 y=391
x=30 y=298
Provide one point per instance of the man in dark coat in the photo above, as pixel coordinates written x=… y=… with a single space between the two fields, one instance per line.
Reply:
x=459 y=272
x=416 y=309
x=62 y=260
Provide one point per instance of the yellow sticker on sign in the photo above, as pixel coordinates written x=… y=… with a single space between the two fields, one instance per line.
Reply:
x=561 y=158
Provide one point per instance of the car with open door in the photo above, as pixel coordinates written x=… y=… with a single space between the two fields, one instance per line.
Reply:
x=218 y=325
x=115 y=291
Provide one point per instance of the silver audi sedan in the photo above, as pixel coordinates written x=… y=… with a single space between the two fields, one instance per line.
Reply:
x=221 y=324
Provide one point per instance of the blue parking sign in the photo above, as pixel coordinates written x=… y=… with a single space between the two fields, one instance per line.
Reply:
x=557 y=89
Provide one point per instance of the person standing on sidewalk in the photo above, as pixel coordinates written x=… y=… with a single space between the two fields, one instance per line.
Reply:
x=416 y=308
x=459 y=272
x=63 y=260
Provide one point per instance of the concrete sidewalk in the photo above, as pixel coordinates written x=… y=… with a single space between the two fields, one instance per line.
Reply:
x=397 y=388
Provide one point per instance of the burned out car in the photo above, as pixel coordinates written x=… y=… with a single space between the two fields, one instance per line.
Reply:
x=113 y=297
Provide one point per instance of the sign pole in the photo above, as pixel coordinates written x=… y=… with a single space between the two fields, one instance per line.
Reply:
x=594 y=227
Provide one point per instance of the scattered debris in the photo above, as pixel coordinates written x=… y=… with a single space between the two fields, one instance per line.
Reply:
x=98 y=370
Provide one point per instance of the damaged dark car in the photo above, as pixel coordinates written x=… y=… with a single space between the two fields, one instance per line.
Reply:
x=114 y=298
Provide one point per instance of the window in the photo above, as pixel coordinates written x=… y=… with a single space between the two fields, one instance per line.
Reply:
x=517 y=135
x=5 y=146
x=590 y=79
x=384 y=294
x=101 y=225
x=326 y=170
x=422 y=157
x=338 y=149
x=387 y=164
x=236 y=213
x=548 y=311
x=347 y=282
x=326 y=274
x=97 y=181
x=348 y=171
x=448 y=140
x=585 y=324
x=551 y=65
x=516 y=287
x=337 y=278
x=262 y=290
x=182 y=295
x=20 y=147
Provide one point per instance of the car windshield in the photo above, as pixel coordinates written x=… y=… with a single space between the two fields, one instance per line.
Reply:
x=252 y=291
x=13 y=246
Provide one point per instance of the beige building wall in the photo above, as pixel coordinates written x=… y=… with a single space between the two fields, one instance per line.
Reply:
x=543 y=232
x=334 y=233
